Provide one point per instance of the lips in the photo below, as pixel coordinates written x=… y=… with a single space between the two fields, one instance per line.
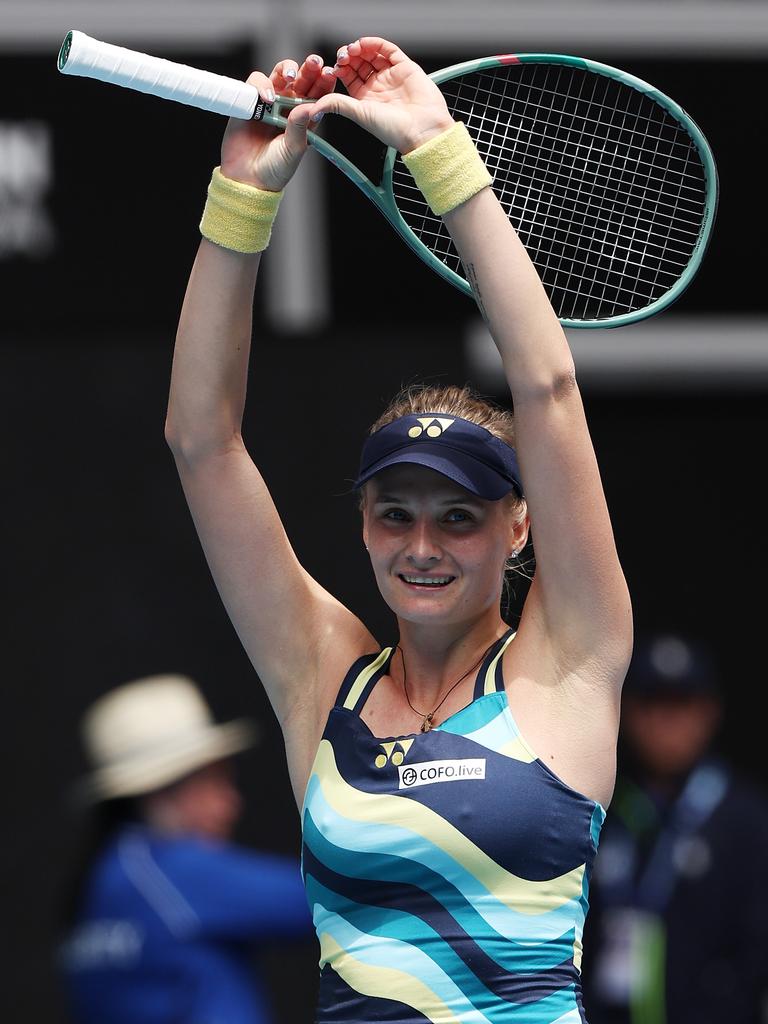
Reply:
x=433 y=582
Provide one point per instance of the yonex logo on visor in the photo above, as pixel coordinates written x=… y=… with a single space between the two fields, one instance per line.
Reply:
x=432 y=426
x=464 y=452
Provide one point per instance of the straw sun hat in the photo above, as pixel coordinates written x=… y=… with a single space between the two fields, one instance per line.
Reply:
x=151 y=732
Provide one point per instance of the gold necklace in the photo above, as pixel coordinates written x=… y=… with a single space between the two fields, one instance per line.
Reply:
x=426 y=725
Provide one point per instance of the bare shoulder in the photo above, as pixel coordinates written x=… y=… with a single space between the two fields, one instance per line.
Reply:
x=340 y=640
x=559 y=659
x=566 y=703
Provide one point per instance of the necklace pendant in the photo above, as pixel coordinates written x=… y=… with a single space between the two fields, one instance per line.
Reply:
x=426 y=725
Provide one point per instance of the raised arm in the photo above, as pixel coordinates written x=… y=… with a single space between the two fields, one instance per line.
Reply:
x=296 y=634
x=579 y=583
x=578 y=605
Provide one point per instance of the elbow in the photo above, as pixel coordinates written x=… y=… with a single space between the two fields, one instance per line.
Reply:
x=173 y=436
x=550 y=386
x=192 y=447
x=564 y=383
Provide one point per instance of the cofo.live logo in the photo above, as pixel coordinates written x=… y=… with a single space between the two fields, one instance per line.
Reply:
x=427 y=773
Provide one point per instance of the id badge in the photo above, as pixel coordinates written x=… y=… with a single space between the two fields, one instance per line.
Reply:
x=629 y=956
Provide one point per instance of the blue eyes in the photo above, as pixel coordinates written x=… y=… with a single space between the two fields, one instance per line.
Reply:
x=455 y=515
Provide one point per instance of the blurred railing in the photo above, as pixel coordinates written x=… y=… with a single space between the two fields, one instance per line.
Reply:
x=679 y=25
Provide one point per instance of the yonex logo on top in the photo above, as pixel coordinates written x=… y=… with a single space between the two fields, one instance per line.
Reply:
x=432 y=426
x=390 y=754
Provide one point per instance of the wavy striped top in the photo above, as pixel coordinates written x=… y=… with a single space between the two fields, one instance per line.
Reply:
x=447 y=871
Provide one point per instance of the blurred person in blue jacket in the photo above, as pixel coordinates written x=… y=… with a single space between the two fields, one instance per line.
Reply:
x=677 y=931
x=168 y=914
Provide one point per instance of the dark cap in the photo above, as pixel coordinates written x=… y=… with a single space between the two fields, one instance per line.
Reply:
x=461 y=450
x=670 y=665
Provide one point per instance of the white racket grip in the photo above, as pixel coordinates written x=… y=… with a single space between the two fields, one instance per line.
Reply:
x=91 y=58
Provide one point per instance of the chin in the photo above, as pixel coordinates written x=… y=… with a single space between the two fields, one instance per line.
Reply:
x=431 y=609
x=218 y=834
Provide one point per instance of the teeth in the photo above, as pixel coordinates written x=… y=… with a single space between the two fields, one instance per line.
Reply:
x=428 y=579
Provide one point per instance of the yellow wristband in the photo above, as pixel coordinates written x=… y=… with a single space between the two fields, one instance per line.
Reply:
x=238 y=216
x=448 y=170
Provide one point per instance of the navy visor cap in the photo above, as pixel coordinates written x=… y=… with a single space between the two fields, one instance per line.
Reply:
x=457 y=448
x=669 y=665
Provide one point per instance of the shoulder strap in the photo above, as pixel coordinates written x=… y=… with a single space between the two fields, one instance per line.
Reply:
x=490 y=678
x=361 y=678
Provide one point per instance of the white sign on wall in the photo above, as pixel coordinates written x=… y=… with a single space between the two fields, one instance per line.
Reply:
x=26 y=175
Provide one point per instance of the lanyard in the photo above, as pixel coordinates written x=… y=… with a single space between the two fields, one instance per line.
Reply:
x=651 y=889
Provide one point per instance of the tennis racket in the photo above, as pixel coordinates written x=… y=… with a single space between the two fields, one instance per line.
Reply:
x=610 y=185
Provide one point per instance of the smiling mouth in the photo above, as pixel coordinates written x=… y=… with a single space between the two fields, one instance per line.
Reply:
x=433 y=582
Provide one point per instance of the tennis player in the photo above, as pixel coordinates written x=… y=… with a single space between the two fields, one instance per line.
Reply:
x=453 y=785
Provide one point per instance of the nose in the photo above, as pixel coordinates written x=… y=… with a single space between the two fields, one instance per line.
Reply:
x=423 y=548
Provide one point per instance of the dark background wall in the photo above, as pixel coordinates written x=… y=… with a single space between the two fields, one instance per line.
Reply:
x=103 y=578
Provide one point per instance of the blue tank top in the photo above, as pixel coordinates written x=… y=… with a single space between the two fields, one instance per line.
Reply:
x=447 y=871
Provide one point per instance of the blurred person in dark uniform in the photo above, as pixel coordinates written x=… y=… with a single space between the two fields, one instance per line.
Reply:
x=678 y=926
x=168 y=914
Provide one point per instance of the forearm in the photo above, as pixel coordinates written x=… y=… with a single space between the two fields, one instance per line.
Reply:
x=210 y=362
x=511 y=297
x=210 y=365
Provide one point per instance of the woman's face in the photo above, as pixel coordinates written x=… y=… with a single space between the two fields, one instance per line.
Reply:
x=207 y=802
x=669 y=734
x=437 y=551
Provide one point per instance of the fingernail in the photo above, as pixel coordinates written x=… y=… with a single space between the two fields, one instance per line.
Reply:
x=315 y=59
x=342 y=53
x=269 y=95
x=290 y=73
x=318 y=117
x=329 y=71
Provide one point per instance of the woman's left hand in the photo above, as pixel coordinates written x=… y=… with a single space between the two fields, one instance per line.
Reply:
x=261 y=155
x=389 y=94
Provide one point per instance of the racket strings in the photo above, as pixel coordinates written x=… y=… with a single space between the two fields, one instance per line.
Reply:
x=604 y=186
x=580 y=131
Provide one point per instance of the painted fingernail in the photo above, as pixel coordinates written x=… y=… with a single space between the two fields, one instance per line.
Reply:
x=329 y=71
x=342 y=53
x=315 y=59
x=290 y=73
x=318 y=117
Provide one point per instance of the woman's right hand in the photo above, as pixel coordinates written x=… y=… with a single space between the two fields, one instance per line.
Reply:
x=267 y=157
x=389 y=94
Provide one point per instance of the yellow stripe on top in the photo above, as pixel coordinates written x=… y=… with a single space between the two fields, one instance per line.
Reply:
x=489 y=684
x=386 y=982
x=364 y=678
x=525 y=896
